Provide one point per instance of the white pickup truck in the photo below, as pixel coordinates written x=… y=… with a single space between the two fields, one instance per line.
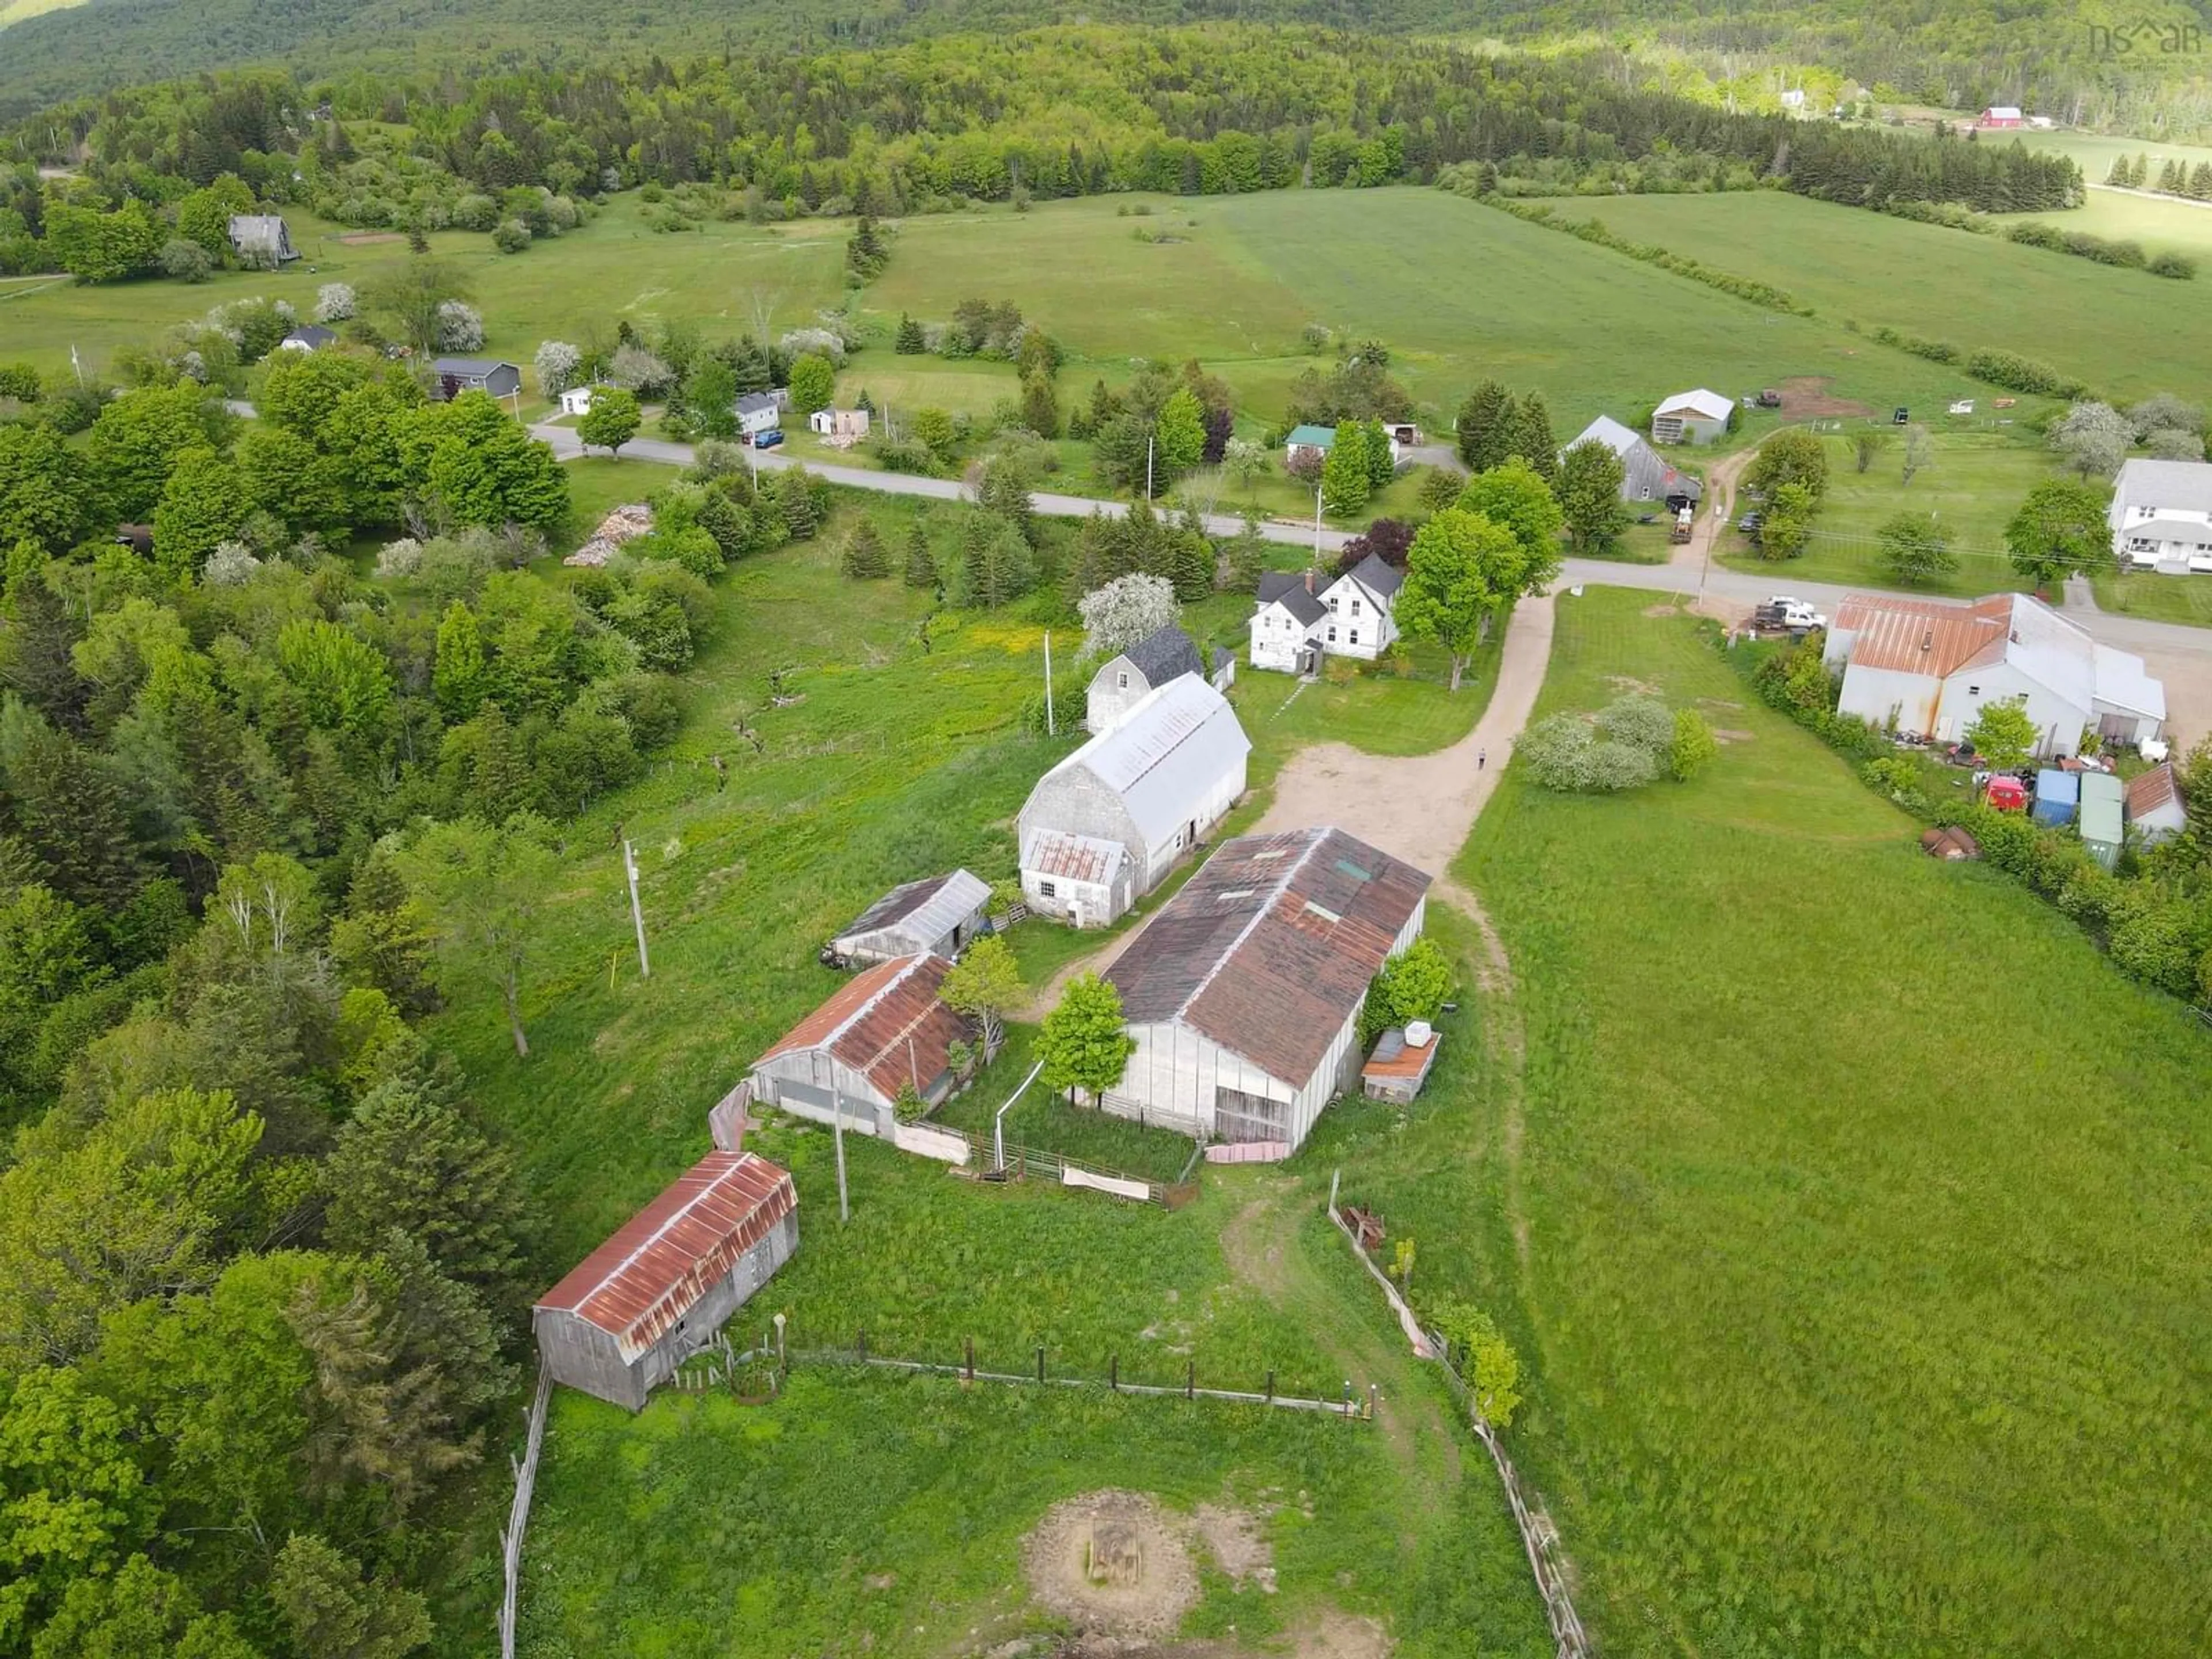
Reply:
x=1784 y=612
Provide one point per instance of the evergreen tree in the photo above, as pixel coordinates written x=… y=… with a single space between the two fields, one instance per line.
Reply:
x=1346 y=480
x=1485 y=427
x=2173 y=180
x=1193 y=564
x=68 y=811
x=865 y=558
x=1039 y=405
x=1381 y=469
x=1532 y=439
x=911 y=341
x=921 y=563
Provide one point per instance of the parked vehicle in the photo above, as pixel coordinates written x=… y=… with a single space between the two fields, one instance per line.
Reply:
x=767 y=439
x=1749 y=524
x=1679 y=530
x=2006 y=793
x=1783 y=613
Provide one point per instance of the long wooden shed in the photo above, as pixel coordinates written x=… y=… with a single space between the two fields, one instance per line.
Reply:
x=658 y=1289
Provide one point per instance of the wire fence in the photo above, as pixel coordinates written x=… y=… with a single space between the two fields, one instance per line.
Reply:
x=518 y=1515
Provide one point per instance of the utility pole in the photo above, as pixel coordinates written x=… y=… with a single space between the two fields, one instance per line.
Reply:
x=837 y=1131
x=1317 y=524
x=1049 y=731
x=1148 y=468
x=636 y=910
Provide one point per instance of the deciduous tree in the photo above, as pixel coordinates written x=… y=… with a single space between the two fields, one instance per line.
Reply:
x=612 y=422
x=1462 y=572
x=2002 y=734
x=1083 y=1044
x=2059 y=529
x=1125 y=611
x=1345 y=481
x=1589 y=489
x=479 y=887
x=985 y=985
x=1916 y=550
x=1514 y=495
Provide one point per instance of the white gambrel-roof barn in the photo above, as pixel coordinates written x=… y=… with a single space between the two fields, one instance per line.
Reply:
x=1155 y=786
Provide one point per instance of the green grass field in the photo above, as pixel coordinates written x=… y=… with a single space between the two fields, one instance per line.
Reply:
x=1846 y=1204
x=1246 y=273
x=2161 y=224
x=2089 y=319
x=2160 y=598
x=1973 y=484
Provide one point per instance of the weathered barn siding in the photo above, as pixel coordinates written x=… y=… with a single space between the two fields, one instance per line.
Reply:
x=580 y=1354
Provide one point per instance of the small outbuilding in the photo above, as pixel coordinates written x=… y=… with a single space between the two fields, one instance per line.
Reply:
x=2154 y=807
x=2057 y=796
x=308 y=336
x=1154 y=786
x=2104 y=824
x=1400 y=1063
x=577 y=400
x=1697 y=417
x=657 y=1290
x=452 y=376
x=262 y=238
x=1123 y=679
x=937 y=915
x=884 y=1030
x=843 y=428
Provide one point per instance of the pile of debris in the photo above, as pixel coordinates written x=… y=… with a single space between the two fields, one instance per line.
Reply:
x=625 y=524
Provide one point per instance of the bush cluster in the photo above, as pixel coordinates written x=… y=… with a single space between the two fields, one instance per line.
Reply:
x=1590 y=230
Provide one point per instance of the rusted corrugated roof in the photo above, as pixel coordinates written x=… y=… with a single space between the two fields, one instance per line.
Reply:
x=885 y=1023
x=1924 y=636
x=1395 y=1057
x=665 y=1257
x=1269 y=948
x=2149 y=790
x=1076 y=858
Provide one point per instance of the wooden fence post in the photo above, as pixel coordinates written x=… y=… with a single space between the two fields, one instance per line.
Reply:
x=971 y=1359
x=1114 y=1372
x=1040 y=1363
x=1190 y=1381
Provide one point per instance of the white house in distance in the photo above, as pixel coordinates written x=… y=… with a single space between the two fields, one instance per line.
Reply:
x=1123 y=680
x=1927 y=667
x=1103 y=828
x=1698 y=416
x=759 y=412
x=577 y=400
x=1298 y=620
x=308 y=336
x=1243 y=994
x=2161 y=516
x=1646 y=475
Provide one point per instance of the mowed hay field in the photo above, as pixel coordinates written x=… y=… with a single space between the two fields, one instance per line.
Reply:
x=1850 y=1207
x=1457 y=292
x=2125 y=333
x=610 y=271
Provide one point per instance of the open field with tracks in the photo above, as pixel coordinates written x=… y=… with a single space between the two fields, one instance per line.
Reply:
x=1840 y=1199
x=1971 y=291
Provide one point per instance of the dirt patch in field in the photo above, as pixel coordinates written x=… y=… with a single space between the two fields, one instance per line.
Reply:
x=1233 y=1536
x=1724 y=734
x=1806 y=398
x=1662 y=609
x=1112 y=1564
x=1628 y=685
x=364 y=238
x=1330 y=1634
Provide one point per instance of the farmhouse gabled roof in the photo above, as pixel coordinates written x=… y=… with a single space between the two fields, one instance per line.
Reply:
x=1649 y=473
x=1311 y=437
x=1162 y=654
x=1377 y=575
x=926 y=909
x=1611 y=433
x=2171 y=486
x=753 y=403
x=313 y=336
x=469 y=368
x=658 y=1263
x=886 y=1023
x=1929 y=636
x=1170 y=749
x=1706 y=404
x=1269 y=948
x=1288 y=589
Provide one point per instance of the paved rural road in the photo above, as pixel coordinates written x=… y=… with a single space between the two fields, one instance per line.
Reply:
x=2167 y=640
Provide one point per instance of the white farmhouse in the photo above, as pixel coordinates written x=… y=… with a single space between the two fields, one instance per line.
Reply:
x=1103 y=828
x=2161 y=516
x=1287 y=622
x=1927 y=667
x=759 y=412
x=1696 y=417
x=1243 y=994
x=1360 y=603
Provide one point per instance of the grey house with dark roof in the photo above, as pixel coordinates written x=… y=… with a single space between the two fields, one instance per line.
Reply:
x=1121 y=681
x=1243 y=994
x=308 y=336
x=452 y=376
x=262 y=238
x=1287 y=620
x=1646 y=475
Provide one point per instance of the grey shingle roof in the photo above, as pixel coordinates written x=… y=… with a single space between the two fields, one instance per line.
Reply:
x=467 y=368
x=1162 y=654
x=1378 y=577
x=1288 y=588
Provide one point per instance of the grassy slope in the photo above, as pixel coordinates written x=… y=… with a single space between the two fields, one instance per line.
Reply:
x=2163 y=598
x=1863 y=1278
x=1457 y=291
x=1973 y=484
x=2092 y=320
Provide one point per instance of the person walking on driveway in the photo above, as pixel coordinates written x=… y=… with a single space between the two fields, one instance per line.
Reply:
x=1481 y=759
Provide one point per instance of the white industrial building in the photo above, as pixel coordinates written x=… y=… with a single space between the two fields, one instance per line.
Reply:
x=1927 y=667
x=1103 y=828
x=1243 y=994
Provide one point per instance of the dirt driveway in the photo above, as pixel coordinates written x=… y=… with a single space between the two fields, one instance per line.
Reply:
x=1420 y=807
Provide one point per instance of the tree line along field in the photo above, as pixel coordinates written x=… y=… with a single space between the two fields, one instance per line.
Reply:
x=1861 y=1292
x=2126 y=333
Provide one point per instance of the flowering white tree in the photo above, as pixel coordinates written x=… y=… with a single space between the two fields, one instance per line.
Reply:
x=460 y=327
x=824 y=342
x=559 y=364
x=635 y=370
x=231 y=565
x=1126 y=609
x=334 y=302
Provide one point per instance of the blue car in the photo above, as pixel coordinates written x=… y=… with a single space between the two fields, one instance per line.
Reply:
x=767 y=439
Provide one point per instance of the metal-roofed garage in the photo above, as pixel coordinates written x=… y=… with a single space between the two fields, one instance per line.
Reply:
x=658 y=1289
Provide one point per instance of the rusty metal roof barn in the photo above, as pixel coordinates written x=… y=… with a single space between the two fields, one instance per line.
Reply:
x=886 y=1023
x=1167 y=752
x=1922 y=636
x=1269 y=948
x=663 y=1259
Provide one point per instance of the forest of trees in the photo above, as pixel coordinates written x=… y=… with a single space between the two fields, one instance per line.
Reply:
x=1963 y=54
x=903 y=130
